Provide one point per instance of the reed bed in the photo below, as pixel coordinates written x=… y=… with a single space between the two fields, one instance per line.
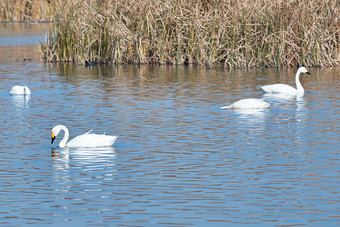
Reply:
x=229 y=33
x=28 y=10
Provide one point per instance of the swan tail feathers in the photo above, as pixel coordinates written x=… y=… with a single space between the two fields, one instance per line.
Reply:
x=225 y=107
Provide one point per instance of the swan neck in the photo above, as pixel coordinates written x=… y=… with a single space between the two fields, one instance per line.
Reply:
x=62 y=143
x=298 y=84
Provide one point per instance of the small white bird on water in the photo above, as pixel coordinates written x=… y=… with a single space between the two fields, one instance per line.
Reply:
x=20 y=90
x=85 y=140
x=248 y=104
x=284 y=88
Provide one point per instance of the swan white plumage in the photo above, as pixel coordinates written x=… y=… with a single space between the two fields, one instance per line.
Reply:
x=84 y=140
x=248 y=104
x=20 y=90
x=284 y=88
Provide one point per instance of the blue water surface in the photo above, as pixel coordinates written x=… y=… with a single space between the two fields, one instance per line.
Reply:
x=179 y=160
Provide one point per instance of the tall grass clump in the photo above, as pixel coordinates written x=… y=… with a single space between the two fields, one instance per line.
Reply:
x=28 y=10
x=234 y=34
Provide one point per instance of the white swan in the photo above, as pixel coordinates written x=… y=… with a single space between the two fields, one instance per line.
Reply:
x=248 y=104
x=284 y=88
x=85 y=140
x=20 y=90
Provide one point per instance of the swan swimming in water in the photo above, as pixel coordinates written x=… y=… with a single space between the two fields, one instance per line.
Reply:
x=248 y=104
x=284 y=88
x=20 y=90
x=84 y=140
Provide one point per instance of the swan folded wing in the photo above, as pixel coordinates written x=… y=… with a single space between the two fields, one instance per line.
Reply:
x=248 y=104
x=92 y=140
x=20 y=90
x=255 y=104
x=278 y=88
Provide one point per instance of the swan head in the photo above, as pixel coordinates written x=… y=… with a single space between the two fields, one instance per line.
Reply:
x=53 y=137
x=304 y=70
x=55 y=132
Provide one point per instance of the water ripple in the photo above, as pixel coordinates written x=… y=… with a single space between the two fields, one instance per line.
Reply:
x=179 y=160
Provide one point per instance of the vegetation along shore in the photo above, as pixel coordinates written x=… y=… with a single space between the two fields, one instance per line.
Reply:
x=227 y=33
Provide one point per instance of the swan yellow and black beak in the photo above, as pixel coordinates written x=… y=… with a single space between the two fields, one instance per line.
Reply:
x=53 y=137
x=308 y=72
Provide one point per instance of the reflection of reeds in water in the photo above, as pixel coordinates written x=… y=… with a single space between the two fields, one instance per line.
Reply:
x=228 y=33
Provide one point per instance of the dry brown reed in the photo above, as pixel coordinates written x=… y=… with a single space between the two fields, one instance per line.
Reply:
x=229 y=33
x=28 y=10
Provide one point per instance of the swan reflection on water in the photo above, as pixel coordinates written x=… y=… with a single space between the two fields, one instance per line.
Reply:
x=81 y=167
x=251 y=112
x=284 y=99
x=21 y=101
x=282 y=96
x=252 y=116
x=84 y=155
